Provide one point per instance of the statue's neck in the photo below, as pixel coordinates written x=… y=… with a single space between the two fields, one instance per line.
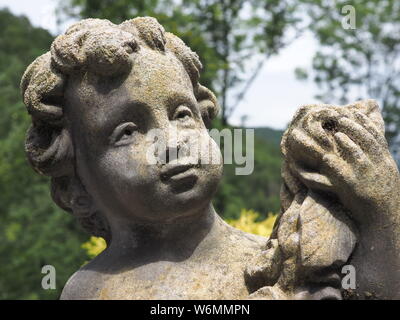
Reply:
x=153 y=241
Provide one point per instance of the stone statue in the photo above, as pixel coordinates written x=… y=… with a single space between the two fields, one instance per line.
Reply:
x=93 y=99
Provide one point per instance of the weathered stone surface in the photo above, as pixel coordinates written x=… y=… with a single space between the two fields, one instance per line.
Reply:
x=340 y=205
x=93 y=100
x=209 y=266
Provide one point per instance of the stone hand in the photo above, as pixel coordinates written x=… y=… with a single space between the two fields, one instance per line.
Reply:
x=346 y=153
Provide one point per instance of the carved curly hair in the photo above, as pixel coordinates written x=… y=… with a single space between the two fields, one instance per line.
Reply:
x=104 y=49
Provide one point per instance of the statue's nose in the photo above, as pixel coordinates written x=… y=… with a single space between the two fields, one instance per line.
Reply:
x=176 y=147
x=170 y=154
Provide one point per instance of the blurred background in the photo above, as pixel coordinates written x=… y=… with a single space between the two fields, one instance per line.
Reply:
x=263 y=59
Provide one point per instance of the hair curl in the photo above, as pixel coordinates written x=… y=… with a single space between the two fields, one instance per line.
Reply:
x=102 y=48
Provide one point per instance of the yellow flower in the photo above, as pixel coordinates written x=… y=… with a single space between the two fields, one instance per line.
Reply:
x=94 y=246
x=247 y=222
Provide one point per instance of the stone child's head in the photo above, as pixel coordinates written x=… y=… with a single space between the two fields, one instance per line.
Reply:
x=93 y=99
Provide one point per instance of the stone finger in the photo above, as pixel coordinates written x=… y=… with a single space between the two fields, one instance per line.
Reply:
x=359 y=135
x=350 y=151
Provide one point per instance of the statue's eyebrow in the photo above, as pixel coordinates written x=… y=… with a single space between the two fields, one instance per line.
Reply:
x=135 y=108
x=126 y=110
x=177 y=98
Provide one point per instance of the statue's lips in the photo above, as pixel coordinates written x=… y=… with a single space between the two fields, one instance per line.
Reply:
x=177 y=171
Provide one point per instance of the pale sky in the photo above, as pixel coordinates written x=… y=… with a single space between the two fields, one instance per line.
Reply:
x=274 y=95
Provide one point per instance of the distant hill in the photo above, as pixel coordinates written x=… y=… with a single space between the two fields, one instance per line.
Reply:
x=271 y=135
x=258 y=191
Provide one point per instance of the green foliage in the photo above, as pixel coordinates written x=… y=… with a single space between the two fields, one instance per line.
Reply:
x=33 y=232
x=359 y=63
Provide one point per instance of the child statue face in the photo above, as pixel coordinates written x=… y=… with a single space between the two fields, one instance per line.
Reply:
x=110 y=121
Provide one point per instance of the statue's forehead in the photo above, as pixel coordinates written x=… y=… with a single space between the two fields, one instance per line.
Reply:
x=155 y=78
x=158 y=72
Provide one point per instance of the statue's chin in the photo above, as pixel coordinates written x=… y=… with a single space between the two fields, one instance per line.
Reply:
x=325 y=293
x=173 y=206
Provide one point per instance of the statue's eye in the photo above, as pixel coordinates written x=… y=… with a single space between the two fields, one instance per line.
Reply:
x=124 y=133
x=128 y=132
x=182 y=113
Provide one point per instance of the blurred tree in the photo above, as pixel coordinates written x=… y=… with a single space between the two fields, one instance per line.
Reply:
x=244 y=34
x=358 y=63
x=33 y=231
x=228 y=35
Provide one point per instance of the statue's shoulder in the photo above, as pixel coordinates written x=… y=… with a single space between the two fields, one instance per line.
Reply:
x=245 y=239
x=83 y=284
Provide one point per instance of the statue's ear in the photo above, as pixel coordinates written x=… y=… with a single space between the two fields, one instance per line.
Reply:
x=208 y=105
x=69 y=194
